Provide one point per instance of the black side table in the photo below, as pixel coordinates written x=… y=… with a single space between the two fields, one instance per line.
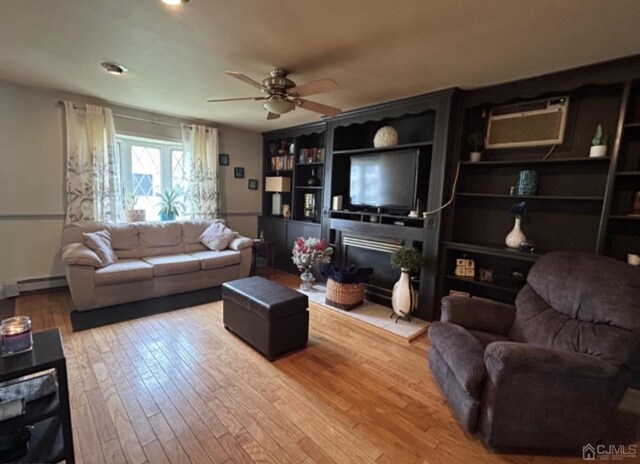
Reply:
x=51 y=438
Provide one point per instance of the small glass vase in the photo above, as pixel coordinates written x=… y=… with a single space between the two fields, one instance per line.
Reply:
x=307 y=279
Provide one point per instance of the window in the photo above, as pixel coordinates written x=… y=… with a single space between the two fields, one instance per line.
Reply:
x=149 y=168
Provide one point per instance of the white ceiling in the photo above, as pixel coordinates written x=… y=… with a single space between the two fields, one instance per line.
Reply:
x=376 y=50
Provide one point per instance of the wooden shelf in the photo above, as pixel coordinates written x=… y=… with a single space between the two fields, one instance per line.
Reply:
x=281 y=171
x=523 y=162
x=315 y=163
x=45 y=444
x=625 y=217
x=628 y=173
x=357 y=151
x=498 y=284
x=632 y=125
x=531 y=197
x=493 y=249
x=308 y=187
x=35 y=411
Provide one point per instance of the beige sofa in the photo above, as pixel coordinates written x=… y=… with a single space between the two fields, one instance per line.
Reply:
x=154 y=259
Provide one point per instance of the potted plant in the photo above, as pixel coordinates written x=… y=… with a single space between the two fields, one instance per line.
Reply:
x=131 y=214
x=598 y=144
x=475 y=145
x=170 y=204
x=404 y=298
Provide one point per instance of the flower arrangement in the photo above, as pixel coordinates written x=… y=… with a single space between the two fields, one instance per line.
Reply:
x=519 y=209
x=307 y=251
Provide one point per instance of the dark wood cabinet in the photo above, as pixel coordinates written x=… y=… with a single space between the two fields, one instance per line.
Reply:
x=367 y=238
x=283 y=233
x=581 y=204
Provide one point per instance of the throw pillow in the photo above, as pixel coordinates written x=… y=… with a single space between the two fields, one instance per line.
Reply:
x=100 y=242
x=217 y=236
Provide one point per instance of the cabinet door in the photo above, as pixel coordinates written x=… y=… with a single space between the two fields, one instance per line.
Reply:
x=275 y=231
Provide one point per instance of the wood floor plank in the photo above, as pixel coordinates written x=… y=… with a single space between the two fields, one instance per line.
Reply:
x=178 y=388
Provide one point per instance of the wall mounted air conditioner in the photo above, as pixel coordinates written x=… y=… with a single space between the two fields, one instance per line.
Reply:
x=528 y=124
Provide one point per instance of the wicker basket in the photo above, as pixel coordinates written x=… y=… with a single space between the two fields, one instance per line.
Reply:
x=344 y=296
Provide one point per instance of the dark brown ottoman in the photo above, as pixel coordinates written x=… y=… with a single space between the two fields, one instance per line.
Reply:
x=270 y=317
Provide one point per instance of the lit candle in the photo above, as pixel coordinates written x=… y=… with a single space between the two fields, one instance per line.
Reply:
x=16 y=335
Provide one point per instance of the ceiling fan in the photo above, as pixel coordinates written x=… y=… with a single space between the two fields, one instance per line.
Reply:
x=283 y=95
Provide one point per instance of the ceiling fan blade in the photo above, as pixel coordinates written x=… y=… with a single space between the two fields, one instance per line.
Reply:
x=245 y=79
x=271 y=115
x=317 y=107
x=312 y=88
x=216 y=100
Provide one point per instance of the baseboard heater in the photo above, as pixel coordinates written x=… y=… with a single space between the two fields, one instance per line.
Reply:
x=13 y=288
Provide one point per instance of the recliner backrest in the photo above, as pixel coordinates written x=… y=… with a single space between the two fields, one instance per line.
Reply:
x=580 y=302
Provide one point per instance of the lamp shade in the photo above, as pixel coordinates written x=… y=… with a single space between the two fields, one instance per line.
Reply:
x=277 y=184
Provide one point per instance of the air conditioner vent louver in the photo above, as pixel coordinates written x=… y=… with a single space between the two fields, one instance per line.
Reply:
x=528 y=124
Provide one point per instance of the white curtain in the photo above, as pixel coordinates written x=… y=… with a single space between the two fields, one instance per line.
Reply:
x=202 y=198
x=94 y=191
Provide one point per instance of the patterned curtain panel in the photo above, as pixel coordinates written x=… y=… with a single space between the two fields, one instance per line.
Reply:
x=94 y=191
x=202 y=198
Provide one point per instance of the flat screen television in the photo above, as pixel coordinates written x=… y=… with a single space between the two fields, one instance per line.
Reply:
x=384 y=180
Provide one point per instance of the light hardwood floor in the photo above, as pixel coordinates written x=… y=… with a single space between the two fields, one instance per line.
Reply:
x=178 y=388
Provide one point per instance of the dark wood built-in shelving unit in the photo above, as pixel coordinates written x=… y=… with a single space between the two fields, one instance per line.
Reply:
x=582 y=203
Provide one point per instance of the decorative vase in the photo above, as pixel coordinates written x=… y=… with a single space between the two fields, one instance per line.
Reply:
x=307 y=279
x=403 y=298
x=386 y=136
x=527 y=183
x=313 y=181
x=167 y=217
x=515 y=237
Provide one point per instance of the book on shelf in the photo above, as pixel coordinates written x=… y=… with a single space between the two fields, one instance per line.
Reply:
x=311 y=155
x=282 y=163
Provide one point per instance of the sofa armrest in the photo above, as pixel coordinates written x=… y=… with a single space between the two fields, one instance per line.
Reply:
x=79 y=254
x=478 y=314
x=513 y=357
x=240 y=243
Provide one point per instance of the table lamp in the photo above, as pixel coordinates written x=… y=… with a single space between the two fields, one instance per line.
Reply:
x=277 y=185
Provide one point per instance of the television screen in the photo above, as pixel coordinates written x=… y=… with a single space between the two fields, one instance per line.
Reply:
x=384 y=180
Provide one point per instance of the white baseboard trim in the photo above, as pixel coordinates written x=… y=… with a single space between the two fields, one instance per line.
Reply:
x=13 y=288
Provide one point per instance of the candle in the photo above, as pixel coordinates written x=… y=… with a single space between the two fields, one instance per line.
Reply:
x=16 y=335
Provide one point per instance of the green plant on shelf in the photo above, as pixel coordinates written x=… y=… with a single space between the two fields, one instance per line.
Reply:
x=407 y=258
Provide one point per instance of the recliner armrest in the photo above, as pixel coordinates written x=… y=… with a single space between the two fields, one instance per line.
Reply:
x=240 y=243
x=79 y=254
x=500 y=357
x=478 y=314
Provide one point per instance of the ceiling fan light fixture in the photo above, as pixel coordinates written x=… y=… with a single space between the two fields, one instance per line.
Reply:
x=278 y=105
x=115 y=69
x=174 y=2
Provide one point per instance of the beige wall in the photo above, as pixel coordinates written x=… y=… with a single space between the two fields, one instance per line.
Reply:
x=32 y=175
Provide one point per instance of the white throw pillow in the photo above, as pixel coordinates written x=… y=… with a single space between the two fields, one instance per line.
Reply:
x=100 y=243
x=217 y=236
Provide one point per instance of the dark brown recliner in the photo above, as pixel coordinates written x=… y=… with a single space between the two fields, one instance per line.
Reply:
x=550 y=371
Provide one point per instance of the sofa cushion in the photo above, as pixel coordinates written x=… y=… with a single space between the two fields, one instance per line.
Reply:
x=160 y=234
x=463 y=353
x=215 y=259
x=192 y=230
x=217 y=236
x=124 y=236
x=100 y=243
x=173 y=264
x=124 y=271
